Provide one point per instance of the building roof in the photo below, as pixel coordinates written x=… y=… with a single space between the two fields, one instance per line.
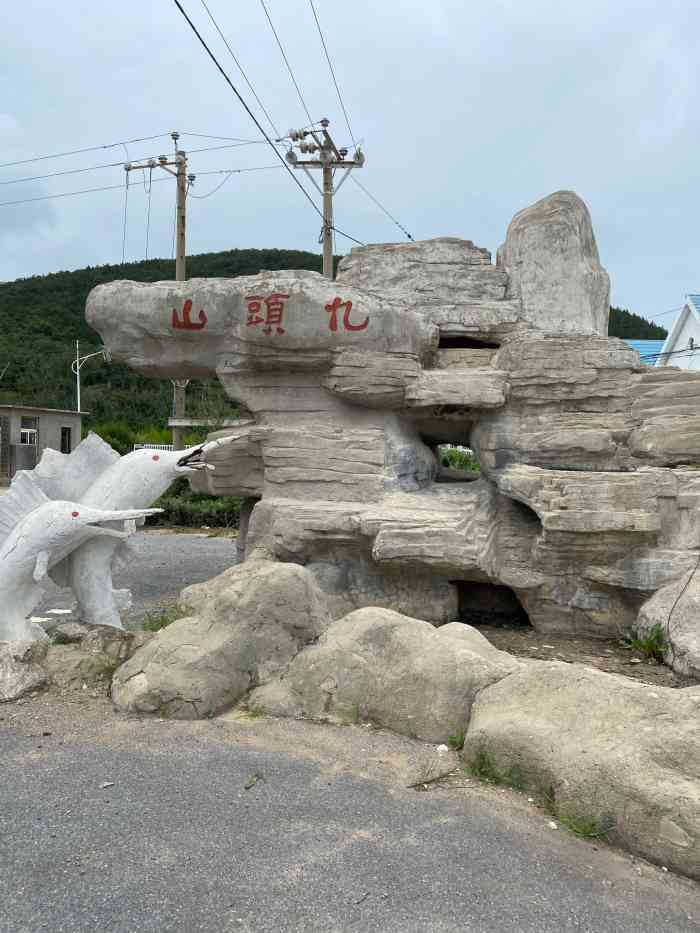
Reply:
x=690 y=308
x=46 y=411
x=648 y=350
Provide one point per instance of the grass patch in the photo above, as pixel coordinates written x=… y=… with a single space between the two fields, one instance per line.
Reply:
x=256 y=712
x=456 y=741
x=651 y=644
x=158 y=619
x=589 y=827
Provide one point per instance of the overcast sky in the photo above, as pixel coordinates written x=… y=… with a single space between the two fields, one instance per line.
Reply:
x=468 y=112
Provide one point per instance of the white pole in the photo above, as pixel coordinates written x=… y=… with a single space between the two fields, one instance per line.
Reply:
x=77 y=371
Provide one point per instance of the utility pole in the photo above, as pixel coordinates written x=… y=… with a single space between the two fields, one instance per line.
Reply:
x=78 y=364
x=329 y=159
x=183 y=182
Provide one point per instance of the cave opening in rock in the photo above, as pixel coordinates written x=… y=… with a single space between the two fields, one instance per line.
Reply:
x=465 y=343
x=489 y=604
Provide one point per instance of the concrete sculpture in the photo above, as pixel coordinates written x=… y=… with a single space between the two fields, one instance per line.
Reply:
x=36 y=534
x=96 y=475
x=587 y=503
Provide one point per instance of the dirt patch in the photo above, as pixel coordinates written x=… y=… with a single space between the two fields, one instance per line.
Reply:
x=610 y=655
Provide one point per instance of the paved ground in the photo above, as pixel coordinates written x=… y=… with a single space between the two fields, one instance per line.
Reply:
x=329 y=838
x=163 y=564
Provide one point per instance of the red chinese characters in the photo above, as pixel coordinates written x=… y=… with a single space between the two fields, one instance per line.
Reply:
x=185 y=322
x=334 y=306
x=273 y=313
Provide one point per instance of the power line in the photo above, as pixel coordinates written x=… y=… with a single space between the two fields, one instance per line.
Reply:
x=228 y=173
x=64 y=194
x=68 y=194
x=60 y=155
x=94 y=168
x=381 y=207
x=330 y=65
x=255 y=119
x=240 y=68
x=286 y=61
x=232 y=139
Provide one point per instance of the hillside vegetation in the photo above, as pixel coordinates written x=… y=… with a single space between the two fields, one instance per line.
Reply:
x=41 y=318
x=624 y=323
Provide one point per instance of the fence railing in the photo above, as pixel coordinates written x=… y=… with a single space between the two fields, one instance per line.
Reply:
x=153 y=446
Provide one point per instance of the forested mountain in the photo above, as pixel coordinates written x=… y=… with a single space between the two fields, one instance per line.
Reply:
x=41 y=318
x=624 y=323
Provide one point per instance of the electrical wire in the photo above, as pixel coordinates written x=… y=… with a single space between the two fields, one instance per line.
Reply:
x=68 y=194
x=94 y=168
x=330 y=65
x=256 y=121
x=60 y=155
x=240 y=68
x=381 y=207
x=228 y=173
x=126 y=202
x=286 y=61
x=148 y=210
x=232 y=139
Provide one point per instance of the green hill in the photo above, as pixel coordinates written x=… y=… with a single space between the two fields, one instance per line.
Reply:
x=41 y=318
x=624 y=323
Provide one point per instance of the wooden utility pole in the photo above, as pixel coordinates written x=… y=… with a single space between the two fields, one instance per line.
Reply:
x=329 y=159
x=183 y=181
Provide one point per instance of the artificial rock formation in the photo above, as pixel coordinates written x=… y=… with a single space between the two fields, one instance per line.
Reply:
x=586 y=504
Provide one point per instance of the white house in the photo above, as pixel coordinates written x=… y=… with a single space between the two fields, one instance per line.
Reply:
x=682 y=346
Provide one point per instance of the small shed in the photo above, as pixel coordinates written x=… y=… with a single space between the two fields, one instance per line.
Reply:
x=682 y=346
x=26 y=432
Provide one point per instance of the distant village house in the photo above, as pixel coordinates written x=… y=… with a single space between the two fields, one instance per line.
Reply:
x=26 y=432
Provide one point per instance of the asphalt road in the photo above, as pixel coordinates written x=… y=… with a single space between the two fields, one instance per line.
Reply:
x=177 y=842
x=163 y=563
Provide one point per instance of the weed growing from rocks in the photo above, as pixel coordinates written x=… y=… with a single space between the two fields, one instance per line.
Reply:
x=651 y=644
x=589 y=826
x=483 y=767
x=456 y=741
x=161 y=618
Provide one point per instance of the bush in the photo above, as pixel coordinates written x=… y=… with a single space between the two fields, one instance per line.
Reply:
x=189 y=509
x=458 y=458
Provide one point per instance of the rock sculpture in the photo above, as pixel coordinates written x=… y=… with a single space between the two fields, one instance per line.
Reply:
x=36 y=534
x=587 y=503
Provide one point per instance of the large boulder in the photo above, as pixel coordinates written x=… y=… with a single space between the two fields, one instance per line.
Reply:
x=397 y=672
x=246 y=625
x=551 y=259
x=672 y=616
x=611 y=756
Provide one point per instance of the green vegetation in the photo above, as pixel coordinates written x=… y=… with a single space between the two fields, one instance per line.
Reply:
x=160 y=618
x=624 y=323
x=651 y=644
x=585 y=825
x=41 y=318
x=456 y=741
x=459 y=458
x=482 y=766
x=191 y=509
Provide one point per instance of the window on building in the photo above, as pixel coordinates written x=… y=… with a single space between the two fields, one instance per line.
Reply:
x=65 y=440
x=29 y=432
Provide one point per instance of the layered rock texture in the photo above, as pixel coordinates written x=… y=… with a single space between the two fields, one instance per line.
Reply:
x=363 y=556
x=588 y=500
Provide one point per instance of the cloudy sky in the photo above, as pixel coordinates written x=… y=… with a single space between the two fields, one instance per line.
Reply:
x=467 y=113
